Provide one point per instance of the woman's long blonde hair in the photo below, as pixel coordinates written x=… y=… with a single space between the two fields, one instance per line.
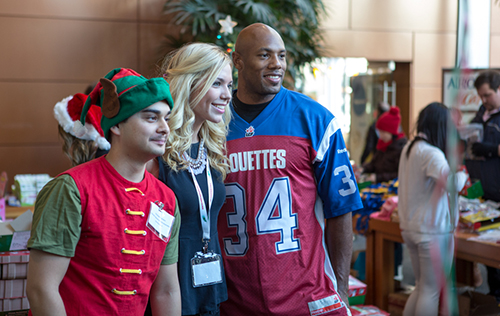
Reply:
x=190 y=72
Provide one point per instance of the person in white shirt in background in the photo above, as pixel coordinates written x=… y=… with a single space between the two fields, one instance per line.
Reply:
x=426 y=220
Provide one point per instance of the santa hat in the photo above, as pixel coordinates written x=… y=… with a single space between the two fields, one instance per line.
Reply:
x=69 y=110
x=390 y=121
x=122 y=93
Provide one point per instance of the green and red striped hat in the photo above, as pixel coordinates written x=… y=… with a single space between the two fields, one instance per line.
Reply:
x=122 y=93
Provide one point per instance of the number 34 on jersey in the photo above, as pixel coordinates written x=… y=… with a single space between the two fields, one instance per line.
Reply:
x=274 y=216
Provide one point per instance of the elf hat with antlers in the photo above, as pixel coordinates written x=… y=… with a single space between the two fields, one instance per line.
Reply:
x=122 y=93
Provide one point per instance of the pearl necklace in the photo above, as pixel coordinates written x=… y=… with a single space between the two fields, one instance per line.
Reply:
x=198 y=165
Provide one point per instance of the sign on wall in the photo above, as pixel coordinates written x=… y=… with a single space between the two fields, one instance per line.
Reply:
x=459 y=91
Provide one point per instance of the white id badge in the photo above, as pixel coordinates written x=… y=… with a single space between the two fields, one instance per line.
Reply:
x=206 y=269
x=160 y=222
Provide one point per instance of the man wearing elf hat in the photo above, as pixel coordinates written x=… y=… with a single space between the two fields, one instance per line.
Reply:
x=104 y=234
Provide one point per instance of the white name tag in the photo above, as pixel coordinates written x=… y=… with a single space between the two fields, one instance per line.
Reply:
x=206 y=269
x=160 y=222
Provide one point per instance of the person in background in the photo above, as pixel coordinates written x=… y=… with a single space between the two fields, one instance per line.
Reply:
x=79 y=149
x=194 y=165
x=425 y=217
x=385 y=162
x=97 y=246
x=372 y=134
x=286 y=226
x=487 y=167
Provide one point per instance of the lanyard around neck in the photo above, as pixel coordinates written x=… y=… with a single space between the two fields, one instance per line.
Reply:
x=204 y=216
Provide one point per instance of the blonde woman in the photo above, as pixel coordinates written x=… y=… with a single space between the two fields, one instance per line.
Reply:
x=194 y=166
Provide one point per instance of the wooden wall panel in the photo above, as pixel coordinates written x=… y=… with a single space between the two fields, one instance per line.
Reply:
x=45 y=49
x=374 y=46
x=82 y=9
x=494 y=49
x=402 y=75
x=33 y=159
x=151 y=10
x=27 y=116
x=495 y=18
x=422 y=96
x=337 y=14
x=55 y=48
x=433 y=52
x=153 y=46
x=397 y=15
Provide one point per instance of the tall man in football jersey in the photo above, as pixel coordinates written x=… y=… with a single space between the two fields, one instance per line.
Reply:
x=285 y=228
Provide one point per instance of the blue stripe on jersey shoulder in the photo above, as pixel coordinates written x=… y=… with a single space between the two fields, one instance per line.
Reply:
x=289 y=114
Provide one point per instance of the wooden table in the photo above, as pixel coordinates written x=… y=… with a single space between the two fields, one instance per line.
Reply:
x=12 y=212
x=380 y=259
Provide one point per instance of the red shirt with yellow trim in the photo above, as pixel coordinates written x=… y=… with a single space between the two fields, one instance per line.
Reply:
x=114 y=257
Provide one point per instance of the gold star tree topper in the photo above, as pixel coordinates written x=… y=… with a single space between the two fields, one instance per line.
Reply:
x=227 y=25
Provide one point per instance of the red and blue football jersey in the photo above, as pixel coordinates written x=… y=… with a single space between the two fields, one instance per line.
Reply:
x=289 y=170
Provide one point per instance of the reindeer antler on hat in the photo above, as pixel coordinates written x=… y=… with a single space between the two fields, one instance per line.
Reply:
x=122 y=93
x=69 y=110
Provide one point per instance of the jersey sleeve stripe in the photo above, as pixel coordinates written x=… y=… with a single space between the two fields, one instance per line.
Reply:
x=332 y=128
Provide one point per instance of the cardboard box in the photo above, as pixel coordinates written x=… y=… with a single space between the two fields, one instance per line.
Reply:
x=474 y=191
x=15 y=256
x=12 y=271
x=14 y=288
x=15 y=313
x=357 y=291
x=14 y=234
x=367 y=310
x=483 y=218
x=473 y=303
x=15 y=304
x=14 y=264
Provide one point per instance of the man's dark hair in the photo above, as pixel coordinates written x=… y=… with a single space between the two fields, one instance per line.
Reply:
x=490 y=77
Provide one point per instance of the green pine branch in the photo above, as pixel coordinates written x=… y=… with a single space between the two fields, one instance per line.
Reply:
x=296 y=20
